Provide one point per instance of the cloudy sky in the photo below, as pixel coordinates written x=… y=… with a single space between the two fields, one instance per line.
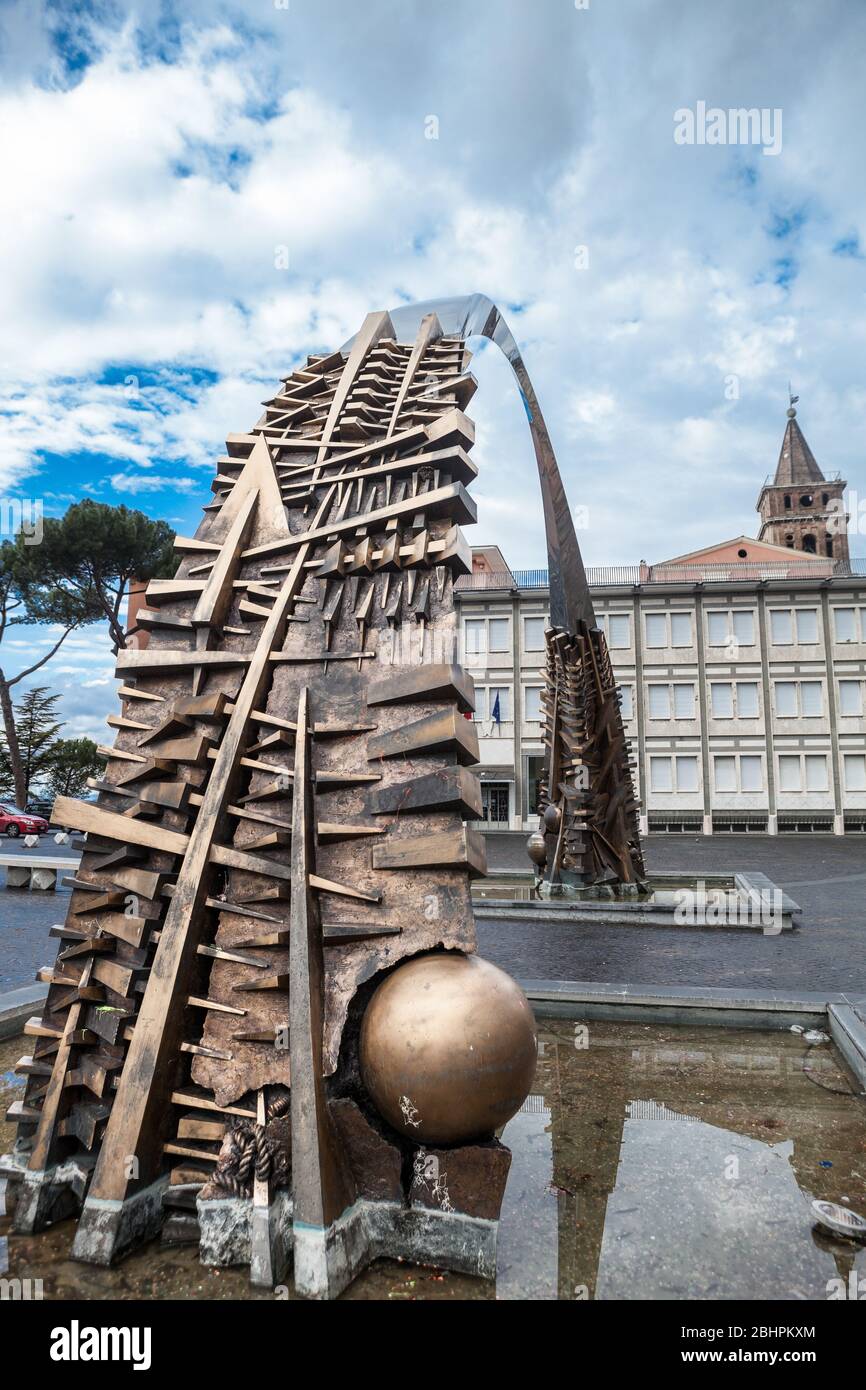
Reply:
x=198 y=195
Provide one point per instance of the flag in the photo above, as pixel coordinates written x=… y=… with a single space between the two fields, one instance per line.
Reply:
x=494 y=713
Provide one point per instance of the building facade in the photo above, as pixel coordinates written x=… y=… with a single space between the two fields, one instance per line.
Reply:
x=742 y=678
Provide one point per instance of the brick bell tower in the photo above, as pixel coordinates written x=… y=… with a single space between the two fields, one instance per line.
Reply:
x=801 y=509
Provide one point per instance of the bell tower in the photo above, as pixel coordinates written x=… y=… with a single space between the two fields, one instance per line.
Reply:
x=801 y=509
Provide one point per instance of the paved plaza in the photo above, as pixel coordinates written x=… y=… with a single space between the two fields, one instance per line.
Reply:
x=826 y=875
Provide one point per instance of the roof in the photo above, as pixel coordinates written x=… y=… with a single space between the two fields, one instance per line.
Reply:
x=756 y=551
x=796 y=464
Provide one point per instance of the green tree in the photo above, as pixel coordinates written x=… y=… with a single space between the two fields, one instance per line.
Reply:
x=72 y=761
x=36 y=728
x=106 y=547
x=78 y=573
x=32 y=591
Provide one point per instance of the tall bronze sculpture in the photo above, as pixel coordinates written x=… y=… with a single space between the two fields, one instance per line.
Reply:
x=266 y=1028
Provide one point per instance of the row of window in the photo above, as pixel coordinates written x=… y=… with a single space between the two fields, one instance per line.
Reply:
x=793 y=699
x=730 y=628
x=744 y=772
x=734 y=628
x=798 y=699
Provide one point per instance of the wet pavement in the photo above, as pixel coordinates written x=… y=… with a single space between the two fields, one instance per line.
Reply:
x=674 y=1163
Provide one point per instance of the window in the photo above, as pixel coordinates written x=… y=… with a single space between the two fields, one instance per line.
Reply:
x=722 y=699
x=674 y=774
x=790 y=773
x=786 y=699
x=475 y=636
x=806 y=620
x=816 y=772
x=681 y=629
x=532 y=703
x=847 y=626
x=855 y=772
x=666 y=698
x=687 y=774
x=533 y=634
x=626 y=701
x=656 y=630
x=684 y=702
x=747 y=699
x=811 y=704
x=788 y=625
x=616 y=628
x=799 y=699
x=668 y=629
x=485 y=703
x=781 y=628
x=483 y=635
x=743 y=773
x=661 y=778
x=850 y=698
x=731 y=625
x=620 y=630
x=792 y=767
x=751 y=777
x=730 y=699
x=659 y=701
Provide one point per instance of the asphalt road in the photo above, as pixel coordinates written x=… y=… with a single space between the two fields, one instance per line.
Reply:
x=826 y=875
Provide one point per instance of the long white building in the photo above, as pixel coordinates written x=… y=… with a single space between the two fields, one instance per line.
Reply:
x=741 y=669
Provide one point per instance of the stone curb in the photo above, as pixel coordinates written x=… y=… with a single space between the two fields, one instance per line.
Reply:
x=714 y=1007
x=17 y=1005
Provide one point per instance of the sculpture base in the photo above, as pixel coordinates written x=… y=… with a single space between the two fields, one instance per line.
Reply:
x=326 y=1261
x=45 y=1196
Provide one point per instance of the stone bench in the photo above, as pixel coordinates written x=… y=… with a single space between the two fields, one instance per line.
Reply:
x=36 y=871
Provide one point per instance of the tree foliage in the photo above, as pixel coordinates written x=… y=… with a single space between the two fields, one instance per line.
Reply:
x=36 y=728
x=106 y=547
x=72 y=761
x=78 y=573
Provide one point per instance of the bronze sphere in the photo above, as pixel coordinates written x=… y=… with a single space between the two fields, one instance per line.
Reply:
x=536 y=848
x=448 y=1048
x=552 y=817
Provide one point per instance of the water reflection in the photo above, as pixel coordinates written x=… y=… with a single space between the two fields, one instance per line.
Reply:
x=648 y=1163
x=680 y=1164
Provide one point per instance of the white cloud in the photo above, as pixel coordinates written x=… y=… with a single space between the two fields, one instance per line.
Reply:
x=150 y=197
x=150 y=482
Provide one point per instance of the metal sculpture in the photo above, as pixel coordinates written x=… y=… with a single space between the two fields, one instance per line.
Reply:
x=276 y=875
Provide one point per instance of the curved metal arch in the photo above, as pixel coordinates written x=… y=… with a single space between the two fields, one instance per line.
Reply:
x=474 y=315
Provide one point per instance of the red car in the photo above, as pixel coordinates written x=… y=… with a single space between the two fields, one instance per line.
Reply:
x=14 y=822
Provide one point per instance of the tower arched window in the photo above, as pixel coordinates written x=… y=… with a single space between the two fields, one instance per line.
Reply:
x=828 y=546
x=787 y=503
x=810 y=545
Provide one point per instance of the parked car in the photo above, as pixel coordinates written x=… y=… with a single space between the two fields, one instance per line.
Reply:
x=40 y=807
x=14 y=822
